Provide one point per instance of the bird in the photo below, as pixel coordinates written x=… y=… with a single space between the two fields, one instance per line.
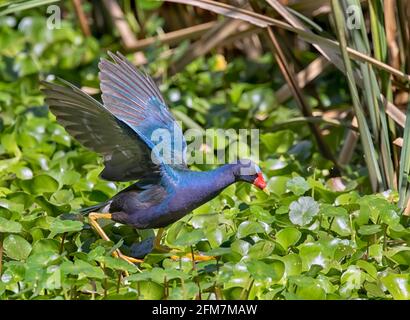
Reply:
x=122 y=129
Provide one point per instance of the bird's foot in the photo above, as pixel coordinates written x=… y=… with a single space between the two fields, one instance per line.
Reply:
x=176 y=254
x=129 y=259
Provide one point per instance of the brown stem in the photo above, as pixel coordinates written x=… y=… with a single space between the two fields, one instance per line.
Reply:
x=196 y=278
x=128 y=37
x=82 y=18
x=62 y=242
x=119 y=282
x=299 y=98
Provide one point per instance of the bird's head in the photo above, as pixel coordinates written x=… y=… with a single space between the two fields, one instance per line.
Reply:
x=248 y=171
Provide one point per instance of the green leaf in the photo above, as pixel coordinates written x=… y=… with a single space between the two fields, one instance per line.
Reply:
x=150 y=290
x=298 y=185
x=277 y=185
x=9 y=226
x=247 y=228
x=46 y=245
x=368 y=267
x=278 y=142
x=307 y=288
x=158 y=275
x=400 y=255
x=376 y=252
x=82 y=269
x=117 y=264
x=190 y=238
x=293 y=264
x=341 y=225
x=352 y=280
x=61 y=226
x=389 y=217
x=39 y=184
x=261 y=249
x=303 y=211
x=398 y=285
x=62 y=197
x=332 y=211
x=241 y=247
x=41 y=259
x=264 y=271
x=370 y=229
x=288 y=237
x=16 y=247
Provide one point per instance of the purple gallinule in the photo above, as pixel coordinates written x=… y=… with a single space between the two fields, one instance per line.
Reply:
x=122 y=130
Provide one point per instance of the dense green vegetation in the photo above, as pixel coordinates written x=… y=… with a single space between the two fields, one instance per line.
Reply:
x=316 y=236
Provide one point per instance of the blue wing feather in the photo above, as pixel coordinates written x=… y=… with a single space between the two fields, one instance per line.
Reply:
x=134 y=98
x=127 y=156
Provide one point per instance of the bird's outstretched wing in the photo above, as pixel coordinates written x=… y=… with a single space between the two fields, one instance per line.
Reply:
x=134 y=98
x=126 y=154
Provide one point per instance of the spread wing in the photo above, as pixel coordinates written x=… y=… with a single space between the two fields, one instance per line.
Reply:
x=126 y=154
x=134 y=98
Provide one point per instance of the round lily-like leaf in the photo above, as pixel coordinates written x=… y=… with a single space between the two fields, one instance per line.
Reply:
x=352 y=279
x=241 y=247
x=43 y=245
x=303 y=211
x=80 y=267
x=264 y=271
x=368 y=267
x=22 y=198
x=298 y=185
x=117 y=264
x=190 y=238
x=158 y=275
x=288 y=237
x=370 y=229
x=11 y=205
x=332 y=211
x=400 y=255
x=293 y=264
x=341 y=225
x=398 y=285
x=24 y=173
x=278 y=142
x=61 y=197
x=376 y=252
x=249 y=227
x=61 y=226
x=150 y=290
x=389 y=217
x=9 y=226
x=308 y=288
x=16 y=247
x=39 y=184
x=314 y=254
x=261 y=249
x=277 y=185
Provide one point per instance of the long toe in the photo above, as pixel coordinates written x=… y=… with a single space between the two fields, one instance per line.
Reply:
x=195 y=257
x=129 y=259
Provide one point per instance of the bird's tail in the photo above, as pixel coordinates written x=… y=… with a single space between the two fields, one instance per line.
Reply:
x=79 y=214
x=100 y=207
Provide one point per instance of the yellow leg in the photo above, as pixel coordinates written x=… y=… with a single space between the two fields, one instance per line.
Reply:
x=159 y=247
x=93 y=217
